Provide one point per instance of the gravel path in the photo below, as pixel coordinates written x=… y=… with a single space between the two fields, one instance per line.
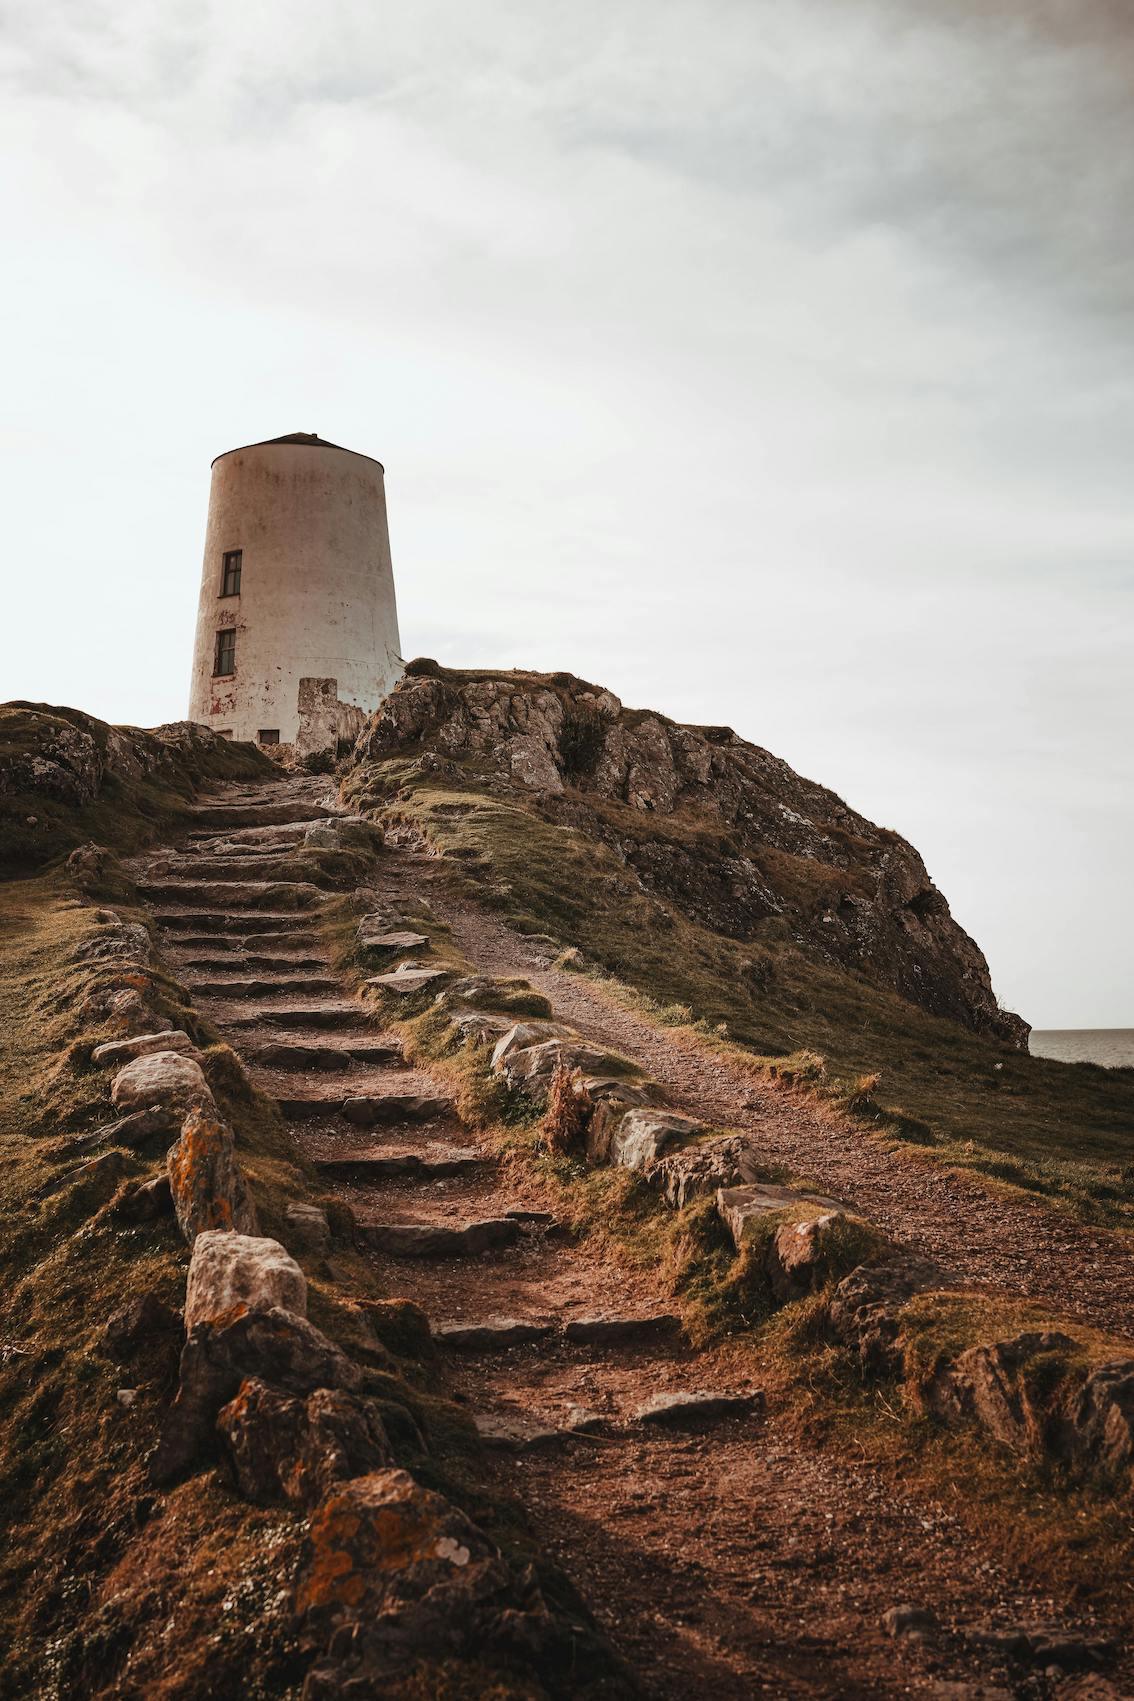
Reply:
x=734 y=1560
x=1018 y=1244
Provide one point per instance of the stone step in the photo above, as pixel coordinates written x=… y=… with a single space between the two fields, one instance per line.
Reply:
x=279 y=814
x=493 y=1334
x=210 y=896
x=392 y=1166
x=367 y=1110
x=245 y=960
x=235 y=870
x=622 y=1331
x=267 y=988
x=232 y=923
x=265 y=839
x=439 y=1240
x=327 y=1016
x=514 y=1432
x=293 y=1054
x=675 y=1410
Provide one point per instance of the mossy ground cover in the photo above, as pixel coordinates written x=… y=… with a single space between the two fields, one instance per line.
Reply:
x=1065 y=1131
x=192 y=1587
x=1061 y=1531
x=130 y=810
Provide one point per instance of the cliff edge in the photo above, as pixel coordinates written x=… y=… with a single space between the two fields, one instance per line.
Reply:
x=722 y=830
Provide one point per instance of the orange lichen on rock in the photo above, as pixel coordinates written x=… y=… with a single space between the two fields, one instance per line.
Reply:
x=207 y=1183
x=384 y=1536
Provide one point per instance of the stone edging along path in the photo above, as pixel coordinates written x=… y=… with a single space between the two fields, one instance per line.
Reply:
x=298 y=1420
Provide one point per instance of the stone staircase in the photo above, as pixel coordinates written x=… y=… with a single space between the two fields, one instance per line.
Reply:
x=241 y=928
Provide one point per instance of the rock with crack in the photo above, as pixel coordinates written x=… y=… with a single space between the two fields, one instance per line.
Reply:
x=231 y=1272
x=745 y=1210
x=643 y=1135
x=1100 y=1418
x=207 y=1182
x=612 y=1096
x=865 y=1310
x=521 y=1036
x=1002 y=1387
x=701 y=1169
x=283 y=1447
x=161 y=1078
x=143 y=1045
x=275 y=1347
x=531 y=1067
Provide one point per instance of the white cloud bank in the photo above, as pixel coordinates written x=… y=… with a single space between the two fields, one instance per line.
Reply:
x=769 y=362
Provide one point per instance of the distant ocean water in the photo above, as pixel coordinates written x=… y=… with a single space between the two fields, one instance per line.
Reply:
x=1111 y=1046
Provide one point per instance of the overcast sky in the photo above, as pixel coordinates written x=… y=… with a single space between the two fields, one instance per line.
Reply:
x=769 y=361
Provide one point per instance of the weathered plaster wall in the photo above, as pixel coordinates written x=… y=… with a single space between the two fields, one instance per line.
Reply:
x=317 y=587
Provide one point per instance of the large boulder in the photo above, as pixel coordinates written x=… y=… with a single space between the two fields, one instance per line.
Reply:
x=701 y=1169
x=207 y=1182
x=231 y=1272
x=283 y=1447
x=865 y=1311
x=273 y=1346
x=531 y=1067
x=408 y=1571
x=160 y=1078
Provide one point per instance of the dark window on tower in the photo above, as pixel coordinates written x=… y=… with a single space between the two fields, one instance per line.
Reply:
x=268 y=735
x=230 y=572
x=224 y=658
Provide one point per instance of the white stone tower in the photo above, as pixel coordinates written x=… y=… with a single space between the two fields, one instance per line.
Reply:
x=297 y=628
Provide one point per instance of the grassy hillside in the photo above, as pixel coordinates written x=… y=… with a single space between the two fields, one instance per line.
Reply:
x=66 y=777
x=1064 y=1130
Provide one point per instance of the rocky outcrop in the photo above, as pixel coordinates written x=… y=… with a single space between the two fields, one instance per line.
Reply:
x=272 y=1346
x=770 y=844
x=56 y=762
x=281 y=1447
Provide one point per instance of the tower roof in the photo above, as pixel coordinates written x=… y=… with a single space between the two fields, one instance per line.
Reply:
x=305 y=439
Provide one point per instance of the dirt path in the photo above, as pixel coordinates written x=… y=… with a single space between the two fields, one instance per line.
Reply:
x=725 y=1558
x=1020 y=1245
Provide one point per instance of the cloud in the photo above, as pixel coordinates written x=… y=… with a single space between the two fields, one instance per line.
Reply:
x=768 y=361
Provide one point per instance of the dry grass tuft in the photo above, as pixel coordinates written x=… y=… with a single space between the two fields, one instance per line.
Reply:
x=569 y=1106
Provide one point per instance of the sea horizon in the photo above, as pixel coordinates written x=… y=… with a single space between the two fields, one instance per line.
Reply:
x=1111 y=1047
